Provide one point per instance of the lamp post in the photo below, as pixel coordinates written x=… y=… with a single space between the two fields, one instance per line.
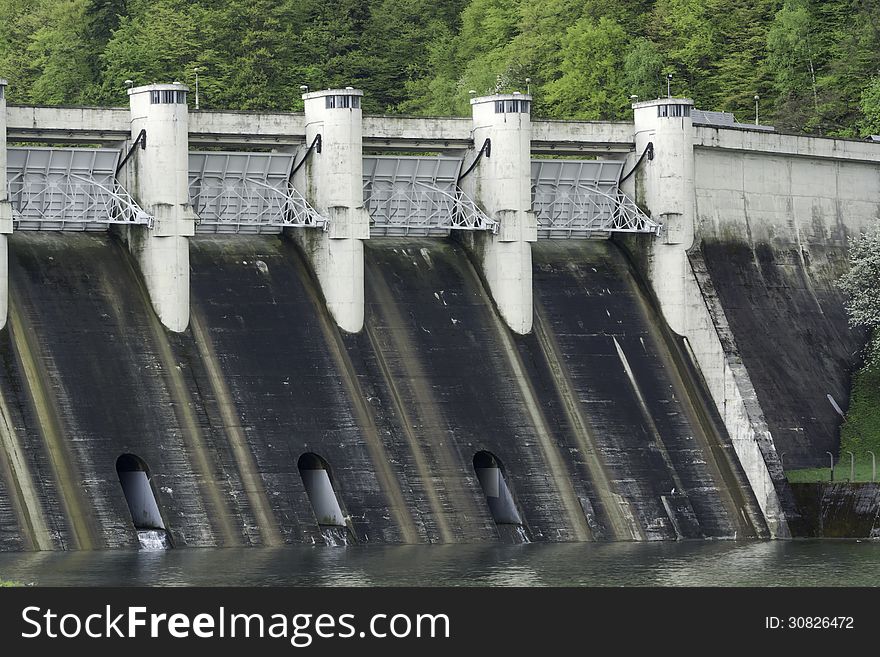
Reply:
x=873 y=466
x=196 y=69
x=831 y=456
x=668 y=85
x=852 y=466
x=757 y=98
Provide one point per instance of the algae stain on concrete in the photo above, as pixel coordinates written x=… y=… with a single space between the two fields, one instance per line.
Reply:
x=388 y=480
x=63 y=468
x=622 y=520
x=425 y=404
x=577 y=521
x=203 y=463
x=15 y=469
x=255 y=488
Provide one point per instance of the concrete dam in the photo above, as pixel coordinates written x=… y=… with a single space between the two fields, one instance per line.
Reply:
x=230 y=328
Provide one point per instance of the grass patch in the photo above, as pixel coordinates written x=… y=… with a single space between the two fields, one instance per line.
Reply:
x=841 y=472
x=859 y=434
x=861 y=431
x=6 y=583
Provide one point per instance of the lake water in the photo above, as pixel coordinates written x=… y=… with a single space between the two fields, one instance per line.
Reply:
x=759 y=563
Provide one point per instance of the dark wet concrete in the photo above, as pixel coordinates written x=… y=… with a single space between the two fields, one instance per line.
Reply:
x=791 y=330
x=597 y=418
x=839 y=510
x=85 y=381
x=667 y=456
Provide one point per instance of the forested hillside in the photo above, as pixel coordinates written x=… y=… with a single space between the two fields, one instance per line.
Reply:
x=814 y=63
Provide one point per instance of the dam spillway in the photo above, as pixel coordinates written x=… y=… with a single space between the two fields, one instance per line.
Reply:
x=223 y=411
x=301 y=336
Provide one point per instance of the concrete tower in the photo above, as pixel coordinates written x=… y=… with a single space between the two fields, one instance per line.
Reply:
x=332 y=181
x=501 y=185
x=158 y=179
x=5 y=211
x=666 y=186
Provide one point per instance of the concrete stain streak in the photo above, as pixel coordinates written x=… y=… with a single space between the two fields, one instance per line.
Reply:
x=686 y=384
x=378 y=455
x=425 y=405
x=649 y=420
x=623 y=524
x=192 y=434
x=63 y=468
x=16 y=471
x=557 y=469
x=253 y=483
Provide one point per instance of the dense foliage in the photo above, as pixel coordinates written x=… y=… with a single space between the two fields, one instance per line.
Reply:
x=814 y=63
x=861 y=288
x=861 y=431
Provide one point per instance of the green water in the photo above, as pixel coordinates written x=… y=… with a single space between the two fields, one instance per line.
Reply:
x=760 y=563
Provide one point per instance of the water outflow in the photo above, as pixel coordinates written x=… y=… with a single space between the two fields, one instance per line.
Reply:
x=134 y=478
x=153 y=540
x=501 y=503
x=315 y=473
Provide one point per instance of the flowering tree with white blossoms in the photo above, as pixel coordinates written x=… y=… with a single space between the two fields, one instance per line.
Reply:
x=861 y=284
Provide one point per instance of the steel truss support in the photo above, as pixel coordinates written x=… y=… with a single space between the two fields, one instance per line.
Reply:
x=69 y=189
x=419 y=196
x=247 y=193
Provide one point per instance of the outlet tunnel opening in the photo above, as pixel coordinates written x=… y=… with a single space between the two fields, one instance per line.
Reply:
x=502 y=505
x=134 y=477
x=317 y=479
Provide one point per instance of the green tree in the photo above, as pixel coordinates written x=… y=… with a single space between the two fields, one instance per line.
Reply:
x=687 y=35
x=592 y=84
x=870 y=107
x=19 y=21
x=60 y=51
x=643 y=69
x=159 y=42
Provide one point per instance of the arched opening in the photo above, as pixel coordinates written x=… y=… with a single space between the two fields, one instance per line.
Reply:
x=318 y=482
x=502 y=506
x=134 y=477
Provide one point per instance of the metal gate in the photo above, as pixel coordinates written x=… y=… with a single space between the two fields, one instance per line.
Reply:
x=418 y=196
x=70 y=189
x=247 y=193
x=579 y=199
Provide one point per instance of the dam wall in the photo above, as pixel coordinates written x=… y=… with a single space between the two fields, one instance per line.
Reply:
x=599 y=430
x=225 y=326
x=775 y=216
x=839 y=510
x=756 y=228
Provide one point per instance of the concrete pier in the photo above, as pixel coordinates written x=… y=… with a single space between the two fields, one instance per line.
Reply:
x=501 y=185
x=5 y=212
x=158 y=178
x=332 y=181
x=666 y=186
